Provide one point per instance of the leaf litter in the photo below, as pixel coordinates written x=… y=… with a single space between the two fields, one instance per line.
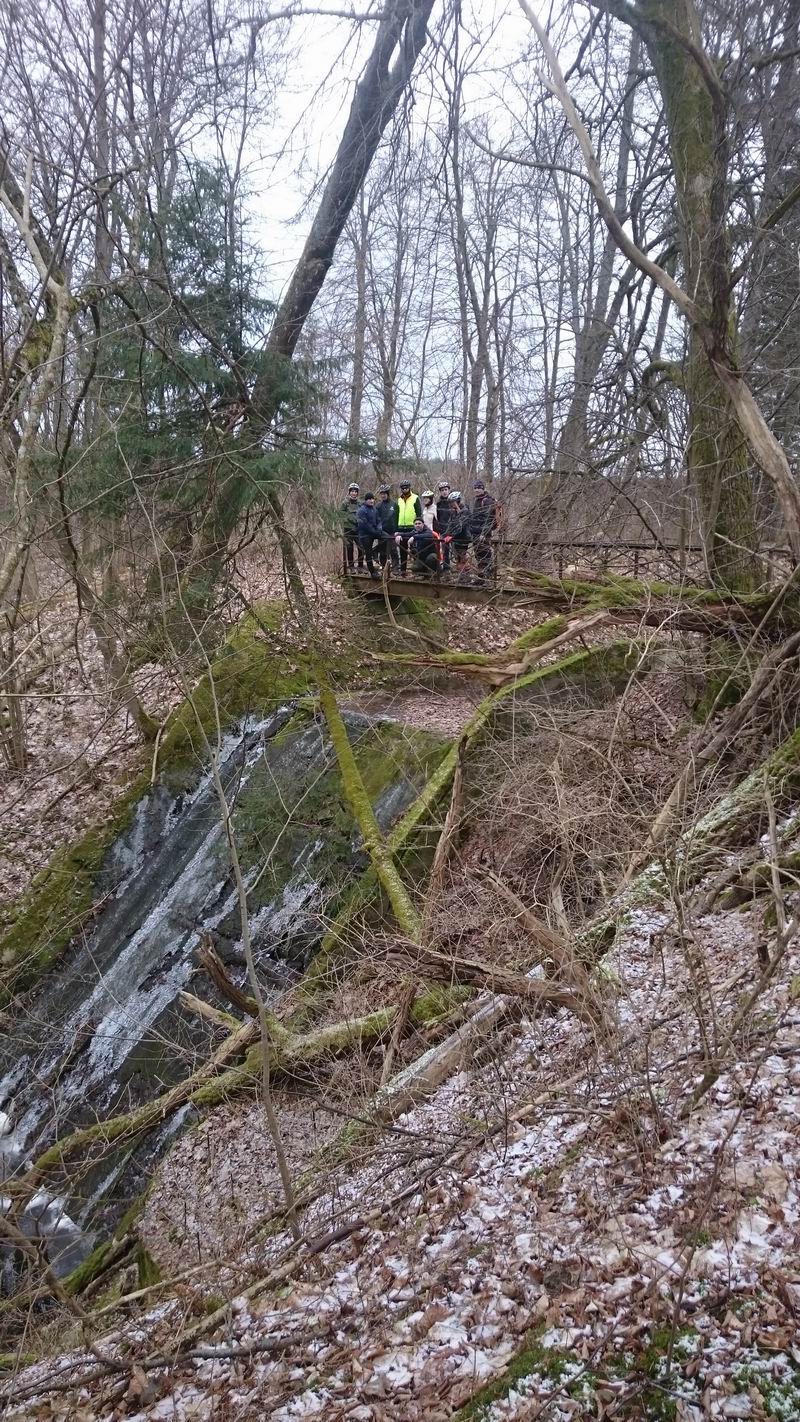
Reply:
x=571 y=1239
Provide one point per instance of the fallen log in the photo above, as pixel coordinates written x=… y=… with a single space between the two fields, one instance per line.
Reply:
x=215 y=1081
x=491 y=977
x=379 y=849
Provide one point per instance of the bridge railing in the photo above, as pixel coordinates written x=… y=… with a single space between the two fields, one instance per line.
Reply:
x=668 y=561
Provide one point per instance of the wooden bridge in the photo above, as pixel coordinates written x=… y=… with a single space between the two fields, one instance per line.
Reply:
x=669 y=562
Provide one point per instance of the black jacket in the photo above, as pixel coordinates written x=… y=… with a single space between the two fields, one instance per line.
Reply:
x=425 y=543
x=460 y=525
x=443 y=511
x=368 y=524
x=484 y=516
x=387 y=515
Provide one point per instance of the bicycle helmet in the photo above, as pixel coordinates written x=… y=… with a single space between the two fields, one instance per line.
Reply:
x=428 y=494
x=455 y=497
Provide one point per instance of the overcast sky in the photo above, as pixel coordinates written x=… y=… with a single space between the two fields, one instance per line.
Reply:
x=288 y=160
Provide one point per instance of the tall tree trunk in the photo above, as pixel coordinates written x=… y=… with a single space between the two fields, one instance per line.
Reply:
x=718 y=459
x=359 y=333
x=402 y=32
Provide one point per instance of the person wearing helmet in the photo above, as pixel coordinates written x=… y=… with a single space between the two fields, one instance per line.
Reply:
x=485 y=518
x=429 y=510
x=458 y=528
x=443 y=516
x=348 y=515
x=425 y=545
x=408 y=508
x=386 y=510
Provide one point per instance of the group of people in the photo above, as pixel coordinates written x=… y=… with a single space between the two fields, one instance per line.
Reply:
x=432 y=530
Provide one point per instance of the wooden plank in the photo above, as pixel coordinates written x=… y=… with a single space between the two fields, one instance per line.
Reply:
x=430 y=591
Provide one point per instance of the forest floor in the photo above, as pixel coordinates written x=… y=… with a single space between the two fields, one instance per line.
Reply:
x=557 y=1233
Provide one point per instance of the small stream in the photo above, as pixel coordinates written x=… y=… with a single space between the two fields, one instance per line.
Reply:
x=106 y=1030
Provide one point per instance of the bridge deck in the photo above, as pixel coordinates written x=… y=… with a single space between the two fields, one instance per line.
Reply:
x=448 y=590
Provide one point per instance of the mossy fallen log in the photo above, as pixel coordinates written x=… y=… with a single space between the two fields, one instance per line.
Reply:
x=682 y=606
x=379 y=851
x=520 y=656
x=759 y=878
x=535 y=636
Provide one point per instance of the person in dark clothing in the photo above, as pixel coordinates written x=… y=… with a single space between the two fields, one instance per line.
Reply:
x=348 y=514
x=425 y=547
x=408 y=508
x=483 y=522
x=369 y=533
x=443 y=516
x=387 y=518
x=458 y=529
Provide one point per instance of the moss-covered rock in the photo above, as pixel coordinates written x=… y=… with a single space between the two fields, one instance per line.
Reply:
x=248 y=677
x=60 y=899
x=281 y=809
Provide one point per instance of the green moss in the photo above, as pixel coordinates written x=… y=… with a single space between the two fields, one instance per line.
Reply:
x=91 y=1268
x=611 y=591
x=466 y=659
x=11 y=1362
x=250 y=675
x=59 y=900
x=779 y=1395
x=662 y=1387
x=420 y=613
x=278 y=809
x=147 y=1270
x=109 y=1251
x=437 y=1002
x=532 y=1361
x=537 y=636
